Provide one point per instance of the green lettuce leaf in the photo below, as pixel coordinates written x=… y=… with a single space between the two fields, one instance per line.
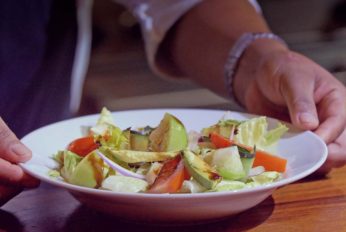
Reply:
x=124 y=184
x=254 y=132
x=266 y=177
x=105 y=117
x=192 y=186
x=115 y=139
x=71 y=160
x=103 y=123
x=54 y=174
x=59 y=157
x=229 y=185
x=108 y=134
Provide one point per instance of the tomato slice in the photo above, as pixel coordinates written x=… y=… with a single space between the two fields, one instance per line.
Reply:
x=170 y=178
x=83 y=146
x=219 y=141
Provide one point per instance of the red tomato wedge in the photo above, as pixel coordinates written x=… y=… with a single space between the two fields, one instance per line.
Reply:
x=170 y=178
x=268 y=161
x=219 y=141
x=83 y=146
x=187 y=175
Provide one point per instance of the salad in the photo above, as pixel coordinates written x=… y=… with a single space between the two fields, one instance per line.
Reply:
x=227 y=156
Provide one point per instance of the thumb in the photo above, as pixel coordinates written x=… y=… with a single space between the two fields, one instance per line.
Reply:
x=11 y=149
x=299 y=97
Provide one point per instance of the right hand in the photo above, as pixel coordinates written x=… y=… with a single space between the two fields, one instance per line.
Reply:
x=12 y=177
x=289 y=86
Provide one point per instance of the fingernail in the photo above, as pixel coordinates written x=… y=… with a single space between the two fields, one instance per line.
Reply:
x=307 y=118
x=20 y=150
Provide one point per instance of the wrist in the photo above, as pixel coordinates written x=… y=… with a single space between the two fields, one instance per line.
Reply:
x=253 y=61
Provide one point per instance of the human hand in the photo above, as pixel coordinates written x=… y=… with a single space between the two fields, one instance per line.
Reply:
x=12 y=177
x=289 y=86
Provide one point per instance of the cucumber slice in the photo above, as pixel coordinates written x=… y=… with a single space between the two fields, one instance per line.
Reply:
x=228 y=163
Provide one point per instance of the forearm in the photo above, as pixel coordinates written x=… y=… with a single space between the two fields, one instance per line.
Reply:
x=201 y=40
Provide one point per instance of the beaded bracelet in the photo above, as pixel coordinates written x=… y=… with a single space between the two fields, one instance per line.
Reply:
x=237 y=51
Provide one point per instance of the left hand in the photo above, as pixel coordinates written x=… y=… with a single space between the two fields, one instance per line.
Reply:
x=13 y=179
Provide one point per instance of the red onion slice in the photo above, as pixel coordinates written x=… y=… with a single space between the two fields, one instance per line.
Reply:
x=118 y=168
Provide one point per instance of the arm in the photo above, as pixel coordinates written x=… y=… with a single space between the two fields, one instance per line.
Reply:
x=270 y=79
x=199 y=43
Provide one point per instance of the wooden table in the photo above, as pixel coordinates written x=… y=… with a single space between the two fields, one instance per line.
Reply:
x=313 y=204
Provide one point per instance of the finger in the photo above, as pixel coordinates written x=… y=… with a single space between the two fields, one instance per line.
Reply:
x=330 y=128
x=257 y=103
x=11 y=148
x=14 y=175
x=8 y=192
x=337 y=151
x=324 y=170
x=336 y=154
x=299 y=96
x=330 y=162
x=333 y=115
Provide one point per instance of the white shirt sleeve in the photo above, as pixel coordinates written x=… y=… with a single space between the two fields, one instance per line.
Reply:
x=156 y=17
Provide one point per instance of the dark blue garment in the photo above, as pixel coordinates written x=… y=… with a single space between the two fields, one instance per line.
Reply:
x=37 y=44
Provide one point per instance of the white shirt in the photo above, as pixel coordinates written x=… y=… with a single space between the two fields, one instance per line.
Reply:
x=156 y=17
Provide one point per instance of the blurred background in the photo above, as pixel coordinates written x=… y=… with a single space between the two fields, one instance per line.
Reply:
x=316 y=28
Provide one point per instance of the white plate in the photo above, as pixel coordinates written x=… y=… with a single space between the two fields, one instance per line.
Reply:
x=304 y=150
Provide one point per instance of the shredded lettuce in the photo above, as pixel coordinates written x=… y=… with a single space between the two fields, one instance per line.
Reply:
x=59 y=157
x=255 y=132
x=108 y=134
x=115 y=138
x=266 y=177
x=71 y=160
x=192 y=186
x=103 y=123
x=229 y=122
x=105 y=117
x=124 y=184
x=229 y=185
x=275 y=134
x=53 y=174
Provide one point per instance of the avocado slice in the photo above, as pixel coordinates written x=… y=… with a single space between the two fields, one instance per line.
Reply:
x=89 y=172
x=138 y=141
x=225 y=131
x=223 y=128
x=200 y=170
x=170 y=135
x=130 y=156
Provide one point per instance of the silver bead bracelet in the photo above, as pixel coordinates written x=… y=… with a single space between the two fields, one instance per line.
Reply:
x=237 y=51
